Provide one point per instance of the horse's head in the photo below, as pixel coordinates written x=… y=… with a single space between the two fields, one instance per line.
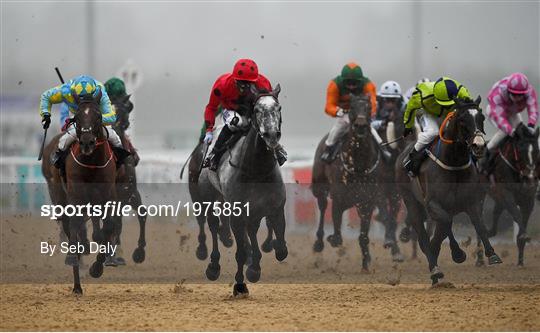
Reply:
x=88 y=122
x=470 y=125
x=525 y=145
x=266 y=116
x=123 y=107
x=360 y=116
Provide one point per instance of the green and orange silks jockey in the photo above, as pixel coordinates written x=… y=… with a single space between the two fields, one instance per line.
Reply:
x=351 y=81
x=430 y=103
x=84 y=87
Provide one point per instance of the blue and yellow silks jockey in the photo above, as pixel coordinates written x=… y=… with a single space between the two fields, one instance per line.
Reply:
x=83 y=86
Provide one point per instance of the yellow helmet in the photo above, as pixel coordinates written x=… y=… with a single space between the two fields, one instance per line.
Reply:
x=83 y=85
x=446 y=90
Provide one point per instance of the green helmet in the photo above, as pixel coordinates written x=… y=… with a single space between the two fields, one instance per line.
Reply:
x=446 y=90
x=115 y=88
x=352 y=71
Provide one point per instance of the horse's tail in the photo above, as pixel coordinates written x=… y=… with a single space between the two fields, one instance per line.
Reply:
x=184 y=166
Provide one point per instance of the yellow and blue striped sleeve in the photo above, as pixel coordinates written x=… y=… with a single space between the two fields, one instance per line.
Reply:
x=414 y=104
x=107 y=111
x=48 y=98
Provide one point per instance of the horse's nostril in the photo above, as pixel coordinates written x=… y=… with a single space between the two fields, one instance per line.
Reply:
x=279 y=135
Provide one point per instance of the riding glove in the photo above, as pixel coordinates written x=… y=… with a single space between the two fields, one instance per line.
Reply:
x=208 y=138
x=46 y=120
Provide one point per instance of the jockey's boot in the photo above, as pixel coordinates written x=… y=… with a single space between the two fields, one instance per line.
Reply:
x=212 y=161
x=414 y=161
x=121 y=154
x=281 y=155
x=58 y=159
x=329 y=154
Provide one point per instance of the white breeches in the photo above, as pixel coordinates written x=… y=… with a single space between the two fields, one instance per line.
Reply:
x=70 y=136
x=498 y=137
x=429 y=127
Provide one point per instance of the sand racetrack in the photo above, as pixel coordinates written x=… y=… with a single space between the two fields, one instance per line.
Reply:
x=326 y=291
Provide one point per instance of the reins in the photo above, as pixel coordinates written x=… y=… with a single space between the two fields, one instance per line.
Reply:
x=90 y=166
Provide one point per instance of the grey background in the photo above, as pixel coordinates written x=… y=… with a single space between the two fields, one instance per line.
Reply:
x=181 y=48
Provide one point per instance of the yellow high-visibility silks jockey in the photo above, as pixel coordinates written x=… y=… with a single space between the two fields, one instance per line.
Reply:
x=83 y=86
x=430 y=103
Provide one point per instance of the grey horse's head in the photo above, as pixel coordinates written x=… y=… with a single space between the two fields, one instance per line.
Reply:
x=267 y=116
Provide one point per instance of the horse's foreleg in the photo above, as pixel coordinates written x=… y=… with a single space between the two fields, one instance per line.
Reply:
x=365 y=211
x=443 y=227
x=77 y=288
x=253 y=272
x=526 y=209
x=336 y=239
x=322 y=202
x=109 y=225
x=266 y=246
x=213 y=270
x=238 y=227
x=139 y=253
x=497 y=211
x=458 y=255
x=393 y=205
x=474 y=213
x=278 y=224
x=202 y=250
x=224 y=231
x=74 y=226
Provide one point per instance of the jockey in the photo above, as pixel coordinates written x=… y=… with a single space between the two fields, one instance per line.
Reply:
x=338 y=95
x=85 y=87
x=231 y=93
x=390 y=102
x=507 y=98
x=430 y=102
x=116 y=89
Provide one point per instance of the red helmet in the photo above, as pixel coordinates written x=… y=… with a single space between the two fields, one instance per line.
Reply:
x=246 y=70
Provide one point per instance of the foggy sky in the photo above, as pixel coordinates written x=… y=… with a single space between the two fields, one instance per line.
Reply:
x=182 y=48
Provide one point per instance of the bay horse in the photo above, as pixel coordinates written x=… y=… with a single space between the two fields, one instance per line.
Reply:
x=448 y=184
x=90 y=173
x=126 y=183
x=249 y=174
x=515 y=182
x=350 y=180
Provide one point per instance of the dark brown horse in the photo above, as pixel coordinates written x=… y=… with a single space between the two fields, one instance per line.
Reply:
x=90 y=172
x=447 y=185
x=126 y=180
x=515 y=182
x=350 y=180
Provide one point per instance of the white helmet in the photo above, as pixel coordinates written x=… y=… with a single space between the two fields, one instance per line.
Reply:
x=390 y=89
x=422 y=80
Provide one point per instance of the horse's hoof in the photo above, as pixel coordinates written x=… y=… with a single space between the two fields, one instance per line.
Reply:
x=212 y=271
x=120 y=261
x=398 y=257
x=96 y=270
x=494 y=259
x=405 y=235
x=520 y=264
x=266 y=246
x=225 y=236
x=253 y=274
x=459 y=256
x=77 y=291
x=280 y=250
x=388 y=243
x=110 y=261
x=138 y=255
x=335 y=240
x=436 y=274
x=240 y=290
x=318 y=246
x=366 y=260
x=227 y=242
x=202 y=252
x=72 y=260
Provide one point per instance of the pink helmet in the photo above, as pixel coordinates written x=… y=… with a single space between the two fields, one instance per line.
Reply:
x=518 y=84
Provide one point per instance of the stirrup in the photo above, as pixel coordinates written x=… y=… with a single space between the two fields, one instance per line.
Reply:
x=329 y=154
x=281 y=156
